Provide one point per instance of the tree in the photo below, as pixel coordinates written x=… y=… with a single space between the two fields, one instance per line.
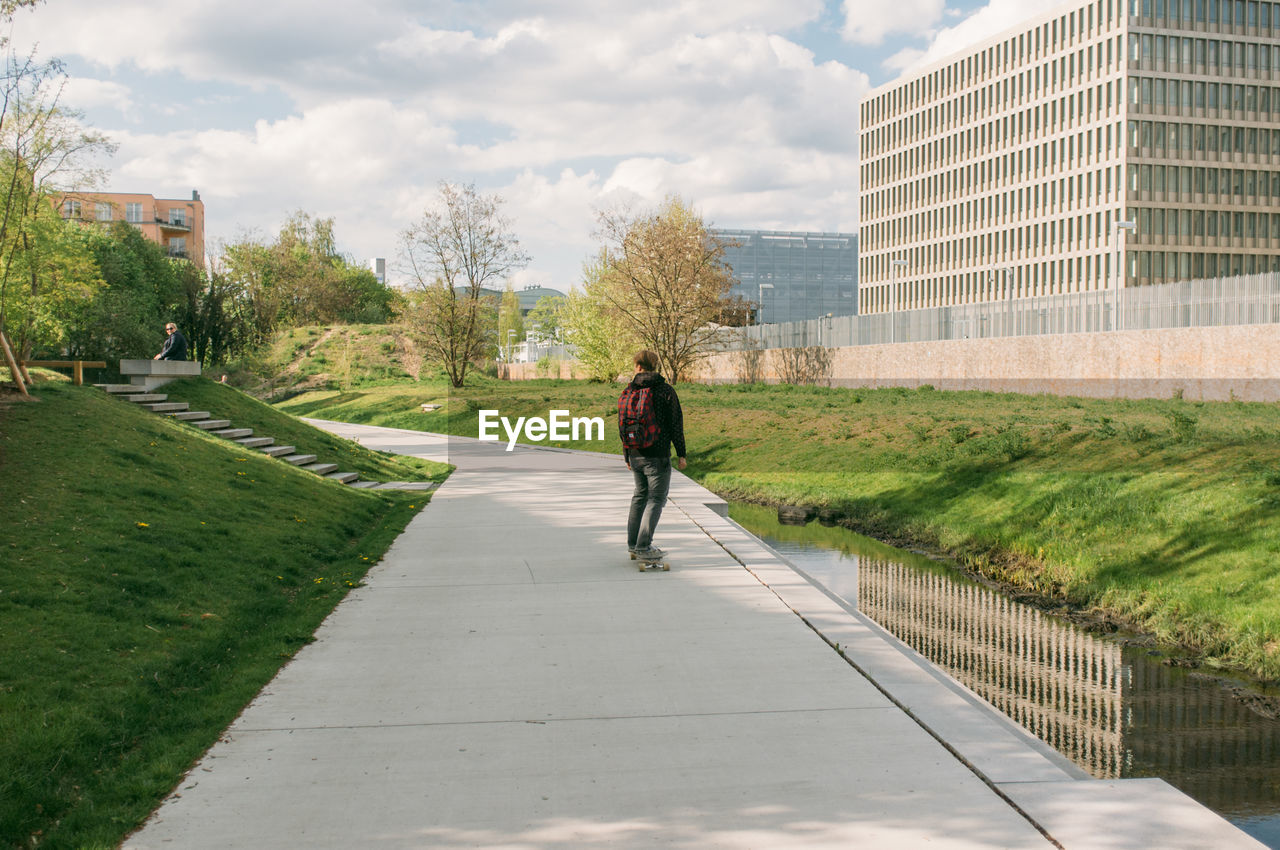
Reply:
x=53 y=277
x=664 y=275
x=510 y=322
x=603 y=341
x=44 y=151
x=301 y=279
x=142 y=289
x=454 y=330
x=545 y=318
x=461 y=245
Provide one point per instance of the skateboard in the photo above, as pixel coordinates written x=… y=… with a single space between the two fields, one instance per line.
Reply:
x=650 y=564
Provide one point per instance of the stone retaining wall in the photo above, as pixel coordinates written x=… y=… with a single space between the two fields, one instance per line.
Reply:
x=1209 y=364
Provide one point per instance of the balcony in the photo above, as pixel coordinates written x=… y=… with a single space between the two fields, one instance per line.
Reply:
x=178 y=226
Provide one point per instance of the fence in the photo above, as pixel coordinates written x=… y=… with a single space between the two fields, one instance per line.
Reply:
x=532 y=352
x=1246 y=300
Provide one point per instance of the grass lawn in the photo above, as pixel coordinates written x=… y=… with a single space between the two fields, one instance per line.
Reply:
x=1165 y=513
x=152 y=579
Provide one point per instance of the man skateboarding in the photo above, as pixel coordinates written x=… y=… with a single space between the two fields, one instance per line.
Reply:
x=650 y=422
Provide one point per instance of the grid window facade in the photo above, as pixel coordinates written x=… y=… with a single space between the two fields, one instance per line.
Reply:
x=1002 y=171
x=793 y=276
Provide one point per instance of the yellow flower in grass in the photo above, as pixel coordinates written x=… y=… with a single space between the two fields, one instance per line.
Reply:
x=142 y=525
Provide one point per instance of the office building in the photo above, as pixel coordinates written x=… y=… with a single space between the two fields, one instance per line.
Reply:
x=177 y=225
x=1006 y=170
x=528 y=297
x=793 y=276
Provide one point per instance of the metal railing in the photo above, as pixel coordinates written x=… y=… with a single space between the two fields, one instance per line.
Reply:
x=532 y=352
x=1215 y=302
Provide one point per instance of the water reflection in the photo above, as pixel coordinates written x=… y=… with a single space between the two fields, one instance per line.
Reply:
x=1064 y=686
x=1113 y=709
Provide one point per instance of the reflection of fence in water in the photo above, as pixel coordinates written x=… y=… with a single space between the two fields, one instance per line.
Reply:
x=1061 y=684
x=1202 y=740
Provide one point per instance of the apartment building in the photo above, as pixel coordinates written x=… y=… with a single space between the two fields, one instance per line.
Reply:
x=1106 y=142
x=178 y=225
x=793 y=275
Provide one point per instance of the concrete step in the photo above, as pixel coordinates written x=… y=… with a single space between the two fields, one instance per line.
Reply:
x=320 y=468
x=212 y=424
x=344 y=477
x=277 y=451
x=404 y=485
x=299 y=460
x=117 y=388
x=190 y=415
x=364 y=485
x=168 y=407
x=256 y=442
x=144 y=398
x=234 y=433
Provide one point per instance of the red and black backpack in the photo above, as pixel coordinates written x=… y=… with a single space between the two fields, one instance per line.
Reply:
x=637 y=418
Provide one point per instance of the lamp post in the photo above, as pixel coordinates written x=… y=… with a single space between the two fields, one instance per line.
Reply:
x=511 y=335
x=760 y=302
x=1118 y=283
x=893 y=298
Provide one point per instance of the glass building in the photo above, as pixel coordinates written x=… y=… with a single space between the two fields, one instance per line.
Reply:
x=793 y=276
x=1137 y=136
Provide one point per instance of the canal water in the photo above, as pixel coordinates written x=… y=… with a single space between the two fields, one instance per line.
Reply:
x=1112 y=707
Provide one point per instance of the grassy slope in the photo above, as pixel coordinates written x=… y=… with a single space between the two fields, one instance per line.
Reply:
x=1163 y=512
x=328 y=357
x=152 y=580
x=246 y=412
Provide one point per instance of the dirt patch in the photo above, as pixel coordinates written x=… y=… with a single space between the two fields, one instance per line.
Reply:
x=10 y=394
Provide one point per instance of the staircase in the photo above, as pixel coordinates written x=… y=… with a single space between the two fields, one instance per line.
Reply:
x=147 y=375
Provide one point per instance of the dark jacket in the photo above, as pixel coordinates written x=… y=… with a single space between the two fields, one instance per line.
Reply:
x=175 y=347
x=666 y=406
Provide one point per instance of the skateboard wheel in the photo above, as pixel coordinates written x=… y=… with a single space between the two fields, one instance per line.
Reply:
x=666 y=567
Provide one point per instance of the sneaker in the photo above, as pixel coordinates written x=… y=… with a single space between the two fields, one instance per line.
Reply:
x=650 y=554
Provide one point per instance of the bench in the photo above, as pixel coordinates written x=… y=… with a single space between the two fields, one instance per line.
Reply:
x=150 y=374
x=76 y=367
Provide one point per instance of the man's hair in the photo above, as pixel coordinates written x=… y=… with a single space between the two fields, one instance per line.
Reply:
x=647 y=360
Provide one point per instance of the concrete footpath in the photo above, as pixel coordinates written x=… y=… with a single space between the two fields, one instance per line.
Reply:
x=507 y=679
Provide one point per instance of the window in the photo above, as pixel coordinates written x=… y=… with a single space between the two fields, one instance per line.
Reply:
x=178 y=217
x=102 y=212
x=133 y=213
x=70 y=208
x=178 y=247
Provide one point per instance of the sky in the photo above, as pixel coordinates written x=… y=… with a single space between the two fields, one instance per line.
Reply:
x=746 y=109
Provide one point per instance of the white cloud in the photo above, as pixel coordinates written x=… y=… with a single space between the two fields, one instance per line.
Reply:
x=557 y=107
x=872 y=23
x=994 y=18
x=87 y=93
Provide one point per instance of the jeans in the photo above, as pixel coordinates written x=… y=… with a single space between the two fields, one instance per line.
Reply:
x=653 y=478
